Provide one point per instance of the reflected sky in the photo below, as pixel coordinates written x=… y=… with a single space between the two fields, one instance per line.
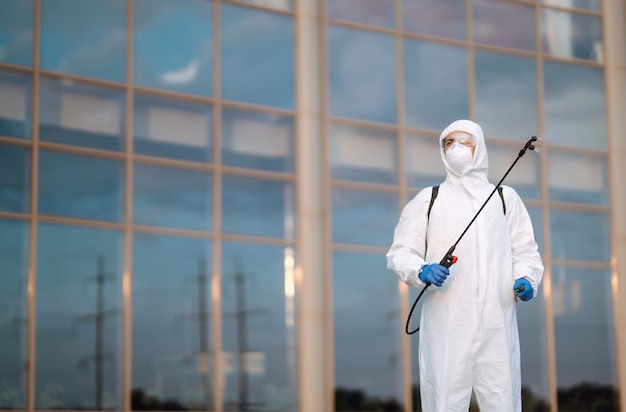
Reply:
x=16 y=32
x=15 y=169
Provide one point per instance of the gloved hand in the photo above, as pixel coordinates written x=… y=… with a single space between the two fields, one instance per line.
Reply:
x=434 y=273
x=527 y=292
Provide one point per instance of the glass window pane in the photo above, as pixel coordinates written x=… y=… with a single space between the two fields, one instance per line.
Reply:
x=424 y=166
x=362 y=74
x=506 y=95
x=14 y=240
x=442 y=18
x=172 y=197
x=580 y=235
x=571 y=35
x=531 y=322
x=366 y=155
x=586 y=361
x=82 y=115
x=86 y=38
x=435 y=89
x=258 y=323
x=574 y=105
x=576 y=177
x=525 y=175
x=257 y=61
x=15 y=167
x=363 y=218
x=503 y=24
x=257 y=140
x=172 y=325
x=16 y=32
x=367 y=332
x=173 y=45
x=257 y=207
x=15 y=104
x=81 y=186
x=536 y=216
x=79 y=318
x=372 y=12
x=173 y=128
x=593 y=5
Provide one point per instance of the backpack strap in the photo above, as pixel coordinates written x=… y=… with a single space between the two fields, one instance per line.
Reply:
x=502 y=198
x=433 y=196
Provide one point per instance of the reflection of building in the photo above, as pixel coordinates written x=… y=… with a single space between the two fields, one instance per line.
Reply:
x=289 y=133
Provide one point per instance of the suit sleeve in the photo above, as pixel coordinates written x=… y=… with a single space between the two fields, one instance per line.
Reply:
x=407 y=252
x=527 y=262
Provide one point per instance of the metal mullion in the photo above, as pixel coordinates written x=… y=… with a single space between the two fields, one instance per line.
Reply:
x=16 y=141
x=365 y=124
x=361 y=26
x=168 y=94
x=169 y=162
x=14 y=215
x=471 y=70
x=547 y=249
x=32 y=258
x=79 y=150
x=230 y=237
x=587 y=264
x=170 y=231
x=15 y=68
x=83 y=80
x=127 y=359
x=216 y=280
x=231 y=104
x=436 y=39
x=578 y=207
x=505 y=50
x=377 y=187
x=377 y=250
x=575 y=60
x=72 y=221
x=257 y=173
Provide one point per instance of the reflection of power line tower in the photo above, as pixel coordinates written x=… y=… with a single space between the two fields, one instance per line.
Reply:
x=241 y=313
x=97 y=318
x=202 y=316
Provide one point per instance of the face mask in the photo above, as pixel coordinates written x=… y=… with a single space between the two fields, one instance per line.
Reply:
x=460 y=158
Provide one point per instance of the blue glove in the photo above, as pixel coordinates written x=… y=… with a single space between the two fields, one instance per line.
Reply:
x=435 y=274
x=526 y=292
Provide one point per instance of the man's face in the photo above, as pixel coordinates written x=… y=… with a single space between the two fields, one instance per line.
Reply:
x=461 y=137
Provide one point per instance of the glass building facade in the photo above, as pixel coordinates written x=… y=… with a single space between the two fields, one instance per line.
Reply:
x=196 y=197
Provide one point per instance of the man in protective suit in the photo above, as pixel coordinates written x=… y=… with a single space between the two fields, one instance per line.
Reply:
x=468 y=337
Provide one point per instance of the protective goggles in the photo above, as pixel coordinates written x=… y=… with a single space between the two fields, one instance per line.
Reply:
x=465 y=139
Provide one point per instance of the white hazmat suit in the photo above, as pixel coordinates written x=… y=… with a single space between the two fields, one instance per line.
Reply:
x=468 y=327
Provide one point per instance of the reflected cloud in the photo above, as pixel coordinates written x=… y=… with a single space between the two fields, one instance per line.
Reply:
x=183 y=75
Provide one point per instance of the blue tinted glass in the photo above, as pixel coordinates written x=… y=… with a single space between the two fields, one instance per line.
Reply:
x=577 y=36
x=167 y=196
x=367 y=333
x=593 y=5
x=371 y=12
x=525 y=177
x=257 y=61
x=14 y=241
x=586 y=361
x=172 y=317
x=86 y=38
x=172 y=128
x=365 y=218
x=424 y=166
x=257 y=207
x=504 y=24
x=435 y=88
x=15 y=104
x=79 y=318
x=574 y=177
x=278 y=4
x=362 y=74
x=258 y=325
x=580 y=235
x=16 y=32
x=81 y=186
x=257 y=140
x=14 y=178
x=81 y=115
x=442 y=18
x=569 y=92
x=506 y=95
x=173 y=45
x=536 y=216
x=366 y=155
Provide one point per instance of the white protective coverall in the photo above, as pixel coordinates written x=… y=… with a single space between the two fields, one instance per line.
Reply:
x=468 y=327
